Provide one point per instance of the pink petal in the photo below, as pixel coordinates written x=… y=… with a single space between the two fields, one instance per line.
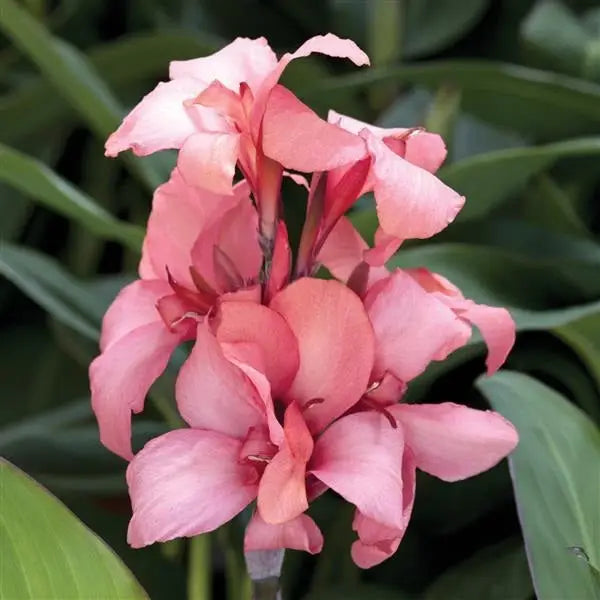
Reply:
x=376 y=541
x=282 y=489
x=300 y=533
x=212 y=393
x=121 y=377
x=385 y=247
x=223 y=100
x=246 y=322
x=411 y=202
x=411 y=327
x=335 y=342
x=238 y=239
x=425 y=150
x=360 y=457
x=281 y=263
x=134 y=306
x=179 y=214
x=159 y=121
x=454 y=442
x=185 y=483
x=207 y=161
x=497 y=329
x=421 y=148
x=298 y=138
x=244 y=60
x=344 y=250
x=297 y=179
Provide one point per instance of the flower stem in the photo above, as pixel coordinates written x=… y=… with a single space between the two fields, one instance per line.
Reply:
x=199 y=573
x=264 y=568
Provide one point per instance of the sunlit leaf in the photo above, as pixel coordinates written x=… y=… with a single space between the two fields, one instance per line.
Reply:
x=557 y=484
x=48 y=553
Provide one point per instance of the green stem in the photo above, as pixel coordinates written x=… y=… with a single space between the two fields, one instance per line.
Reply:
x=199 y=572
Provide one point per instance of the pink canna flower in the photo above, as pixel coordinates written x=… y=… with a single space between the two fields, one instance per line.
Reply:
x=200 y=249
x=333 y=435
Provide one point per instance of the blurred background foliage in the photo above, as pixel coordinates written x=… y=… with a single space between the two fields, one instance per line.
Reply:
x=512 y=85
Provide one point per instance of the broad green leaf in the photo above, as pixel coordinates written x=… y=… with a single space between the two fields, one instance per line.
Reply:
x=557 y=484
x=49 y=285
x=559 y=38
x=359 y=592
x=489 y=179
x=48 y=553
x=583 y=336
x=531 y=101
x=71 y=74
x=131 y=60
x=431 y=25
x=34 y=179
x=497 y=572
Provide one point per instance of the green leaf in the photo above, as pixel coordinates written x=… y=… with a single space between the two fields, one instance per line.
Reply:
x=36 y=180
x=495 y=573
x=71 y=74
x=128 y=61
x=583 y=336
x=531 y=101
x=555 y=35
x=489 y=179
x=557 y=484
x=47 y=283
x=48 y=553
x=434 y=24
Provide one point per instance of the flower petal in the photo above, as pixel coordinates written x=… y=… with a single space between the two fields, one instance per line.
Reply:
x=238 y=322
x=360 y=457
x=411 y=327
x=212 y=393
x=335 y=342
x=411 y=202
x=497 y=329
x=300 y=533
x=282 y=489
x=134 y=306
x=298 y=138
x=376 y=541
x=121 y=377
x=454 y=442
x=159 y=121
x=281 y=263
x=180 y=213
x=207 y=160
x=185 y=483
x=244 y=60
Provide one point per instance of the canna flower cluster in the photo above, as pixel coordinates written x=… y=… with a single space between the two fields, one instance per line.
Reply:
x=294 y=384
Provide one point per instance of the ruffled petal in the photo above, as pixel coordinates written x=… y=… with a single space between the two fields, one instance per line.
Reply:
x=378 y=542
x=185 y=483
x=245 y=322
x=159 y=121
x=212 y=393
x=207 y=160
x=121 y=377
x=244 y=60
x=335 y=342
x=298 y=138
x=454 y=442
x=282 y=489
x=411 y=327
x=134 y=306
x=411 y=202
x=301 y=533
x=180 y=213
x=360 y=457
